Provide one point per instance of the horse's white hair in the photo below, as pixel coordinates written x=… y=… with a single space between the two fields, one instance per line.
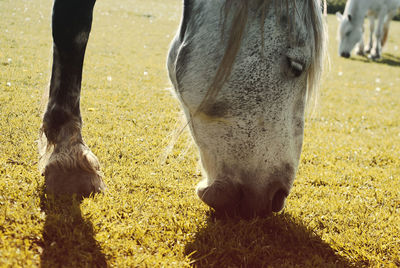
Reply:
x=244 y=94
x=310 y=16
x=308 y=12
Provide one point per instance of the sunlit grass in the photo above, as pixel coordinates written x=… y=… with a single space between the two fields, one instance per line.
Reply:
x=344 y=209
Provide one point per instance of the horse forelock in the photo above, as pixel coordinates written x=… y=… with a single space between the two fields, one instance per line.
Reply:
x=319 y=37
x=306 y=12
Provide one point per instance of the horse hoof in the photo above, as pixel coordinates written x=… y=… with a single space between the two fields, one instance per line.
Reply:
x=374 y=57
x=73 y=171
x=76 y=181
x=360 y=53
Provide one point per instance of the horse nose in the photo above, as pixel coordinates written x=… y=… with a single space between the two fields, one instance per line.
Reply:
x=264 y=202
x=278 y=199
x=345 y=55
x=243 y=200
x=222 y=195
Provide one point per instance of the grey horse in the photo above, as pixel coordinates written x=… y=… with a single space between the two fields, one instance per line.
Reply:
x=243 y=72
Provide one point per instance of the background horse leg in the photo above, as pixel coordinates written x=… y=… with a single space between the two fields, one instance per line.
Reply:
x=371 y=33
x=360 y=45
x=376 y=52
x=386 y=27
x=66 y=162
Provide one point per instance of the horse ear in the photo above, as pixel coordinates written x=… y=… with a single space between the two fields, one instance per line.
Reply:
x=339 y=16
x=349 y=16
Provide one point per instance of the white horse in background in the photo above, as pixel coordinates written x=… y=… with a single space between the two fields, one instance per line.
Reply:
x=351 y=25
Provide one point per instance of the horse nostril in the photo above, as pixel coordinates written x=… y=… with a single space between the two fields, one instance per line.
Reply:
x=222 y=195
x=345 y=54
x=278 y=200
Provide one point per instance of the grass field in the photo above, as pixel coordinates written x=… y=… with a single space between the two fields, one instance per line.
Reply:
x=343 y=211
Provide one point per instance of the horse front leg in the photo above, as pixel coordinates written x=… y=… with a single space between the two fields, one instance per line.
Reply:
x=386 y=25
x=66 y=162
x=371 y=34
x=377 y=49
x=360 y=47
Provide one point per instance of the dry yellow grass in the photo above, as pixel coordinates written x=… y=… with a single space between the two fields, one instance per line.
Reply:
x=343 y=211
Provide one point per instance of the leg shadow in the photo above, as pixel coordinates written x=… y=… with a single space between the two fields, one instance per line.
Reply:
x=68 y=239
x=387 y=58
x=278 y=241
x=390 y=59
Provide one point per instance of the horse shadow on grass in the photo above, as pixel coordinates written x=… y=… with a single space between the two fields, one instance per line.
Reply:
x=68 y=239
x=278 y=241
x=387 y=58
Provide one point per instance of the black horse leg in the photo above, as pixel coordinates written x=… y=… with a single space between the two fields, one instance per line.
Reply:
x=66 y=162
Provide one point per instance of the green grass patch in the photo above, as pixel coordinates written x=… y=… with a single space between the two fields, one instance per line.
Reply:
x=343 y=211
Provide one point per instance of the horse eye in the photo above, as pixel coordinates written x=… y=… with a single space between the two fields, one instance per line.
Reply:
x=296 y=68
x=347 y=34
